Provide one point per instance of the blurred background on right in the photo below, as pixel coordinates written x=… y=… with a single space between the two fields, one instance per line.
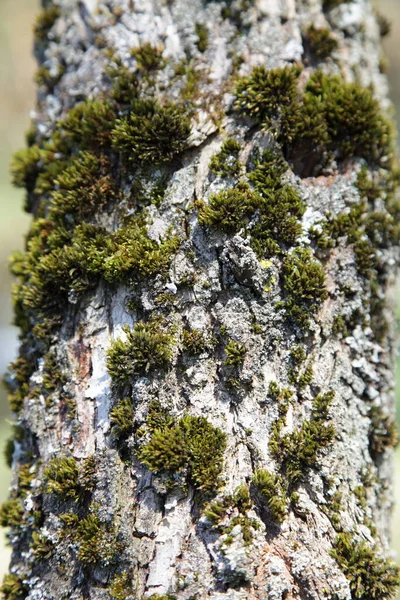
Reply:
x=17 y=99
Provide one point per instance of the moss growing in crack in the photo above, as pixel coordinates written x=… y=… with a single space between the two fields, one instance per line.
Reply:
x=371 y=576
x=13 y=587
x=97 y=540
x=270 y=212
x=152 y=133
x=225 y=163
x=272 y=493
x=121 y=586
x=147 y=347
x=298 y=451
x=194 y=341
x=303 y=282
x=61 y=477
x=44 y=22
x=235 y=354
x=219 y=514
x=191 y=446
x=121 y=418
x=202 y=36
x=42 y=547
x=11 y=513
x=321 y=42
x=148 y=57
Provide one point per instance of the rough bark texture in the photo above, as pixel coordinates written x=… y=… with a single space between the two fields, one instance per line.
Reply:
x=272 y=335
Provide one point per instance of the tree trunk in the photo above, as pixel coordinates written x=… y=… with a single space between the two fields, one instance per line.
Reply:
x=204 y=392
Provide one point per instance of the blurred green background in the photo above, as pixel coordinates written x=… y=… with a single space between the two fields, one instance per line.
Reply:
x=17 y=99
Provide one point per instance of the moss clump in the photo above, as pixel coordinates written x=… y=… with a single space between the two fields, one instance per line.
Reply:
x=320 y=41
x=97 y=541
x=121 y=586
x=384 y=24
x=61 y=477
x=202 y=36
x=44 y=22
x=221 y=510
x=152 y=133
x=13 y=587
x=303 y=282
x=235 y=354
x=121 y=418
x=11 y=513
x=331 y=118
x=371 y=576
x=272 y=492
x=16 y=381
x=225 y=163
x=270 y=212
x=41 y=546
x=89 y=124
x=25 y=167
x=162 y=597
x=148 y=57
x=147 y=347
x=299 y=450
x=194 y=341
x=191 y=446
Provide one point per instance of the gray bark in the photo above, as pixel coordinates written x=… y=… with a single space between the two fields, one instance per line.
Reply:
x=152 y=530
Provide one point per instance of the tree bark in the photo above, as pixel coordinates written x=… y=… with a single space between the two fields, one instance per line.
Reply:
x=204 y=393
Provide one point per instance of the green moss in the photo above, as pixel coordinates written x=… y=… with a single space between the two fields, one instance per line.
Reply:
x=11 y=513
x=124 y=82
x=9 y=452
x=298 y=450
x=25 y=167
x=225 y=163
x=272 y=209
x=202 y=36
x=148 y=57
x=44 y=22
x=194 y=341
x=272 y=492
x=152 y=133
x=220 y=510
x=235 y=354
x=121 y=586
x=121 y=418
x=193 y=446
x=89 y=124
x=61 y=477
x=331 y=118
x=147 y=347
x=16 y=381
x=370 y=575
x=13 y=587
x=162 y=597
x=320 y=41
x=384 y=24
x=303 y=281
x=41 y=546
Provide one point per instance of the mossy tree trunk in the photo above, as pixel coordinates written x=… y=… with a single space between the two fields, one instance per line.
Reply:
x=204 y=394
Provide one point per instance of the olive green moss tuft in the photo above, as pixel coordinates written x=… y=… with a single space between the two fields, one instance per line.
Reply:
x=152 y=133
x=331 y=118
x=225 y=163
x=382 y=433
x=191 y=446
x=42 y=547
x=44 y=22
x=270 y=212
x=121 y=418
x=147 y=347
x=321 y=42
x=194 y=341
x=11 y=513
x=299 y=450
x=235 y=353
x=272 y=493
x=13 y=587
x=219 y=514
x=148 y=57
x=303 y=280
x=384 y=24
x=162 y=597
x=202 y=36
x=121 y=586
x=371 y=576
x=68 y=479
